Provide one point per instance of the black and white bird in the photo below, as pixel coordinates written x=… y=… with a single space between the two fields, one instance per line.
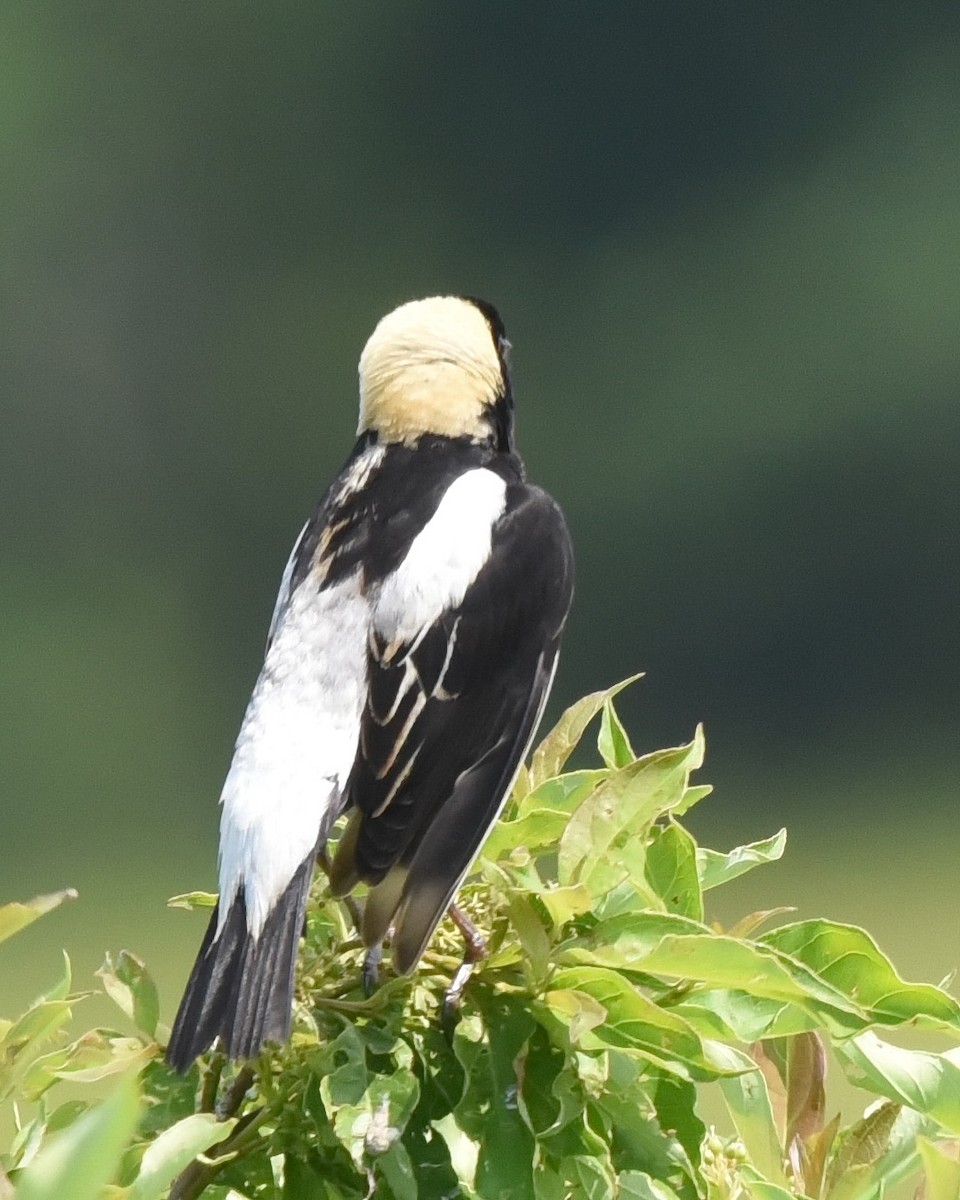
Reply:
x=411 y=651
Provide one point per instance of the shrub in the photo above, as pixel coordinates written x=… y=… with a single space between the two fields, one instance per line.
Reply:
x=577 y=1064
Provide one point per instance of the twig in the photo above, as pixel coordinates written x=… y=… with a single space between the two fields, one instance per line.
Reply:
x=211 y=1083
x=235 y=1093
x=194 y=1178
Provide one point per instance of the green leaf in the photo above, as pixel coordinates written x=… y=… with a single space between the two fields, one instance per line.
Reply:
x=748 y=925
x=489 y=1111
x=551 y=1095
x=564 y=903
x=27 y=1142
x=563 y=739
x=175 y=1148
x=716 y=868
x=580 y=1011
x=592 y=1175
x=397 y=1169
x=671 y=867
x=346 y=1082
x=95 y=1056
x=16 y=915
x=632 y=1021
x=168 y=1096
x=941 y=1170
x=652 y=1138
x=675 y=1101
x=850 y=961
x=624 y=804
x=24 y=1039
x=462 y=1149
x=759 y=1188
x=613 y=743
x=901 y=1159
x=82 y=1159
x=692 y=796
x=681 y=949
x=530 y=930
x=542 y=815
x=748 y=1101
x=857 y=1150
x=638 y=1185
x=302 y=1180
x=192 y=900
x=927 y=1082
x=131 y=987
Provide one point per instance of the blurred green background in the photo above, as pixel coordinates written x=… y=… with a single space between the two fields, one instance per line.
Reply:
x=726 y=243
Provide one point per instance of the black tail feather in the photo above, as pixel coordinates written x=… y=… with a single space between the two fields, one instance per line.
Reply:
x=241 y=989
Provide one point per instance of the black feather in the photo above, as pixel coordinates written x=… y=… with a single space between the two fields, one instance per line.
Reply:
x=241 y=989
x=463 y=698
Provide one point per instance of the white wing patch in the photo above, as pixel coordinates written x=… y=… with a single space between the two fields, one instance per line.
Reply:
x=296 y=744
x=444 y=558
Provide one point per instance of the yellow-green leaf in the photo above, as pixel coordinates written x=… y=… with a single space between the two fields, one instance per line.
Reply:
x=82 y=1159
x=717 y=868
x=129 y=984
x=192 y=900
x=927 y=1082
x=941 y=1169
x=173 y=1150
x=613 y=742
x=16 y=915
x=849 y=960
x=563 y=739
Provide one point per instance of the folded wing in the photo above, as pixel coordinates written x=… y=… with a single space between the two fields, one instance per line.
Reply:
x=451 y=708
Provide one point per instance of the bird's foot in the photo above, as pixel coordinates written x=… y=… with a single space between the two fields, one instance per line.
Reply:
x=475 y=950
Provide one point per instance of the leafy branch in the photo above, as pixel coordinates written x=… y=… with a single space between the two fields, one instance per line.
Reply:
x=586 y=1035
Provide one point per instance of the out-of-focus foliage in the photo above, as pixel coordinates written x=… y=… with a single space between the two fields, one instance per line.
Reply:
x=575 y=1071
x=726 y=243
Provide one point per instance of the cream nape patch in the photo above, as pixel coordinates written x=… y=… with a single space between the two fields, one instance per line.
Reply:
x=444 y=558
x=430 y=366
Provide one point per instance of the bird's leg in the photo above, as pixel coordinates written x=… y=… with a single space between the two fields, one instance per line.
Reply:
x=370 y=976
x=474 y=951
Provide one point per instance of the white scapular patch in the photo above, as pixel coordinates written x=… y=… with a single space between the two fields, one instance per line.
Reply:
x=296 y=745
x=357 y=475
x=353 y=479
x=444 y=558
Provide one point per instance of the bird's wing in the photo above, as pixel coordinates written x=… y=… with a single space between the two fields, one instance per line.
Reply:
x=298 y=738
x=451 y=708
x=284 y=787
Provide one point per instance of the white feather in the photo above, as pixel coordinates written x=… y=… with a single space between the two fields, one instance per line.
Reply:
x=296 y=745
x=444 y=558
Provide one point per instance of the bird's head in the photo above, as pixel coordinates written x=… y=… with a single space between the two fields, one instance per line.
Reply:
x=438 y=367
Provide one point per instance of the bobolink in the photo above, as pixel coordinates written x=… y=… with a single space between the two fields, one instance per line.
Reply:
x=409 y=658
